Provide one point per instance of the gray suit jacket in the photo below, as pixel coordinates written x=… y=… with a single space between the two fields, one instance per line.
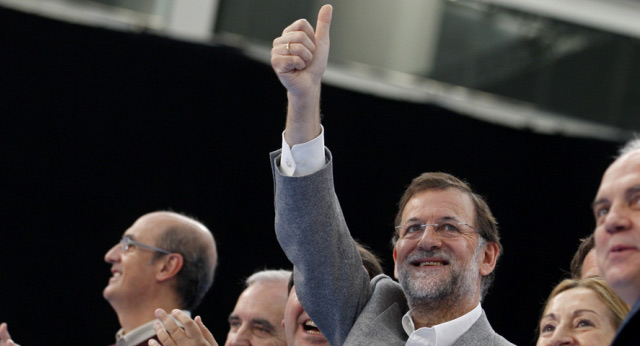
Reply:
x=330 y=281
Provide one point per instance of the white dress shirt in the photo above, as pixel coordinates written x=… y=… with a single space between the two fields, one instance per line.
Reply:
x=302 y=159
x=444 y=334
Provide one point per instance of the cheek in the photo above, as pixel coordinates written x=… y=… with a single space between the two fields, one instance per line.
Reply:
x=595 y=338
x=601 y=237
x=402 y=250
x=291 y=313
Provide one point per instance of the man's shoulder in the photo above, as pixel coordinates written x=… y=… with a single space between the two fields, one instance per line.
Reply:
x=481 y=333
x=384 y=286
x=629 y=332
x=380 y=322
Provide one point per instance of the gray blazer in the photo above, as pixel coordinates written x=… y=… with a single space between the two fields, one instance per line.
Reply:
x=330 y=281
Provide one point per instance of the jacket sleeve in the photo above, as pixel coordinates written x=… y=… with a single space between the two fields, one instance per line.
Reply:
x=330 y=280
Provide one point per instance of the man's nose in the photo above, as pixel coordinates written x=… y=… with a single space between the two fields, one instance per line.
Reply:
x=113 y=255
x=617 y=219
x=430 y=238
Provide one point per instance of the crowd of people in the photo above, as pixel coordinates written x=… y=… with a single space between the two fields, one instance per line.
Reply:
x=445 y=249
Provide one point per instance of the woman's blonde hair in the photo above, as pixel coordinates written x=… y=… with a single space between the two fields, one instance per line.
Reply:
x=618 y=308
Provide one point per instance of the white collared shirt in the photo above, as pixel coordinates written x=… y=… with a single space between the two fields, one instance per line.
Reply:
x=444 y=334
x=141 y=333
x=304 y=158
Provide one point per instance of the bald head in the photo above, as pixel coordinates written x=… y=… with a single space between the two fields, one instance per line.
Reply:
x=191 y=239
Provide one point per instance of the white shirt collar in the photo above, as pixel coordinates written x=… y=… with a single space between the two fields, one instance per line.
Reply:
x=141 y=333
x=444 y=334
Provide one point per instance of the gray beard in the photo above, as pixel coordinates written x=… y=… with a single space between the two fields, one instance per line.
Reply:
x=426 y=292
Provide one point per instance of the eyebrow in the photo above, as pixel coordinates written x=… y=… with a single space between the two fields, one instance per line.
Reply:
x=444 y=218
x=627 y=194
x=255 y=321
x=264 y=323
x=578 y=312
x=596 y=203
x=128 y=236
x=632 y=191
x=575 y=313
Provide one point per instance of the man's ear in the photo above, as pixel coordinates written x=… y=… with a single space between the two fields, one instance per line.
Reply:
x=171 y=265
x=395 y=263
x=489 y=258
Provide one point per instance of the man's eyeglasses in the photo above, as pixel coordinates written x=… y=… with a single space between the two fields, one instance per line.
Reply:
x=126 y=242
x=449 y=230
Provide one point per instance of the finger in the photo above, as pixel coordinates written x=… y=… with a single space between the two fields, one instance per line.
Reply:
x=190 y=327
x=4 y=332
x=300 y=25
x=297 y=50
x=162 y=335
x=154 y=343
x=175 y=332
x=324 y=23
x=205 y=331
x=296 y=37
x=5 y=338
x=286 y=63
x=295 y=43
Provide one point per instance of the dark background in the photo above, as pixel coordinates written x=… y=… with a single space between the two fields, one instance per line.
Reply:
x=99 y=127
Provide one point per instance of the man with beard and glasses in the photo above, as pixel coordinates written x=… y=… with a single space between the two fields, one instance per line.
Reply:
x=446 y=243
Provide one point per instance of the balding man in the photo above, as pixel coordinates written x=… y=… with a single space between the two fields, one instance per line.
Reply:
x=256 y=320
x=617 y=235
x=164 y=260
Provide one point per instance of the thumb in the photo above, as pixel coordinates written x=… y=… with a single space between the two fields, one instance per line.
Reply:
x=324 y=23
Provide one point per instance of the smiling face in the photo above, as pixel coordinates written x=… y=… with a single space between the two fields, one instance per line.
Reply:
x=298 y=327
x=576 y=317
x=257 y=317
x=617 y=235
x=133 y=273
x=431 y=268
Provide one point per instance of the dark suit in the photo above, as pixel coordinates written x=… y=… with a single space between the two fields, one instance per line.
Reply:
x=629 y=331
x=331 y=283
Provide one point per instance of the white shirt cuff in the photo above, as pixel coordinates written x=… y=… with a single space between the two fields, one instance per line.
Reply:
x=304 y=158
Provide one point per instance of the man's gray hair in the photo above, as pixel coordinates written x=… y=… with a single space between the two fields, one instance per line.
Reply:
x=631 y=145
x=268 y=275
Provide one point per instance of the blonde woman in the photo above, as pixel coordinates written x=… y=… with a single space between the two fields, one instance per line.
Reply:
x=581 y=312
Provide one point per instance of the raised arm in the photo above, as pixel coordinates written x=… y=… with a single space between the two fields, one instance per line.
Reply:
x=331 y=282
x=299 y=58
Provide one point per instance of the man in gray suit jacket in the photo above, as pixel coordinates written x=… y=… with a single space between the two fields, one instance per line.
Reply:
x=446 y=243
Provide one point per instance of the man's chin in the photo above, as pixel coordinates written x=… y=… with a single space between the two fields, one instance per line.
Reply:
x=107 y=293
